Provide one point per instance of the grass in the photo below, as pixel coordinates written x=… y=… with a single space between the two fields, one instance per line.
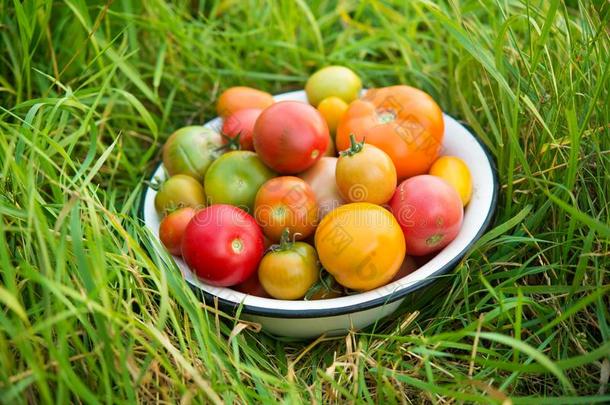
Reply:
x=90 y=90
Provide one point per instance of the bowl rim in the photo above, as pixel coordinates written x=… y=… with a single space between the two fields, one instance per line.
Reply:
x=231 y=306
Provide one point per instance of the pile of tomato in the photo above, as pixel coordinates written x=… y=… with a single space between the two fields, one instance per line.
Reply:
x=269 y=207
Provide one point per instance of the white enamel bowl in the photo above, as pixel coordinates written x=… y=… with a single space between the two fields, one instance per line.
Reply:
x=306 y=319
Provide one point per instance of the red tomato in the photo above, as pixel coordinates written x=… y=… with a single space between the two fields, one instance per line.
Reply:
x=408 y=266
x=252 y=286
x=290 y=136
x=172 y=229
x=238 y=128
x=321 y=178
x=223 y=245
x=429 y=212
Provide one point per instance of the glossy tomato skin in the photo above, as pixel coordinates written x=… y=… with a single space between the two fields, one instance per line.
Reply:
x=454 y=171
x=222 y=245
x=240 y=125
x=338 y=81
x=404 y=122
x=288 y=273
x=361 y=245
x=235 y=177
x=191 y=150
x=252 y=286
x=321 y=178
x=172 y=229
x=241 y=97
x=179 y=191
x=332 y=109
x=365 y=175
x=290 y=136
x=429 y=212
x=286 y=202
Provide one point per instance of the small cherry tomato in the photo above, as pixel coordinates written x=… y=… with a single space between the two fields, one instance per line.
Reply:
x=361 y=245
x=172 y=229
x=222 y=245
x=286 y=202
x=237 y=128
x=241 y=97
x=289 y=269
x=407 y=267
x=454 y=171
x=235 y=177
x=403 y=121
x=290 y=136
x=179 y=191
x=321 y=178
x=252 y=286
x=191 y=150
x=332 y=109
x=365 y=173
x=429 y=212
x=336 y=81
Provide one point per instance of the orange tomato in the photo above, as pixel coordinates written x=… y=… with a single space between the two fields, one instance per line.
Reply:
x=332 y=109
x=454 y=171
x=404 y=122
x=238 y=98
x=286 y=202
x=365 y=173
x=361 y=245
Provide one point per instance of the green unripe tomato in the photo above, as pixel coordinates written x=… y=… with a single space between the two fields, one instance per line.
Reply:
x=337 y=81
x=191 y=150
x=235 y=177
x=179 y=191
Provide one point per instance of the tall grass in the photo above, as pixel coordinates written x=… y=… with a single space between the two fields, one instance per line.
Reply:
x=90 y=90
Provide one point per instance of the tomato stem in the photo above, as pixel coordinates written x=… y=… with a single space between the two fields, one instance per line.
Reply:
x=354 y=146
x=285 y=242
x=232 y=142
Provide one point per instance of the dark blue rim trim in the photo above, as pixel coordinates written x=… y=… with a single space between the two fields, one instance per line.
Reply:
x=229 y=306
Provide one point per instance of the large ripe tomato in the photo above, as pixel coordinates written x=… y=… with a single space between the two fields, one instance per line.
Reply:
x=454 y=171
x=290 y=136
x=289 y=269
x=361 y=245
x=286 y=202
x=191 y=150
x=241 y=97
x=222 y=245
x=237 y=128
x=404 y=122
x=234 y=178
x=172 y=229
x=321 y=178
x=365 y=173
x=179 y=191
x=429 y=212
x=337 y=81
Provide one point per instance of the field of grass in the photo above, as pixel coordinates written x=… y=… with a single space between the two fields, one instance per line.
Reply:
x=90 y=90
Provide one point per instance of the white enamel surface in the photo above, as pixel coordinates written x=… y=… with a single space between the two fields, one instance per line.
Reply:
x=458 y=141
x=329 y=325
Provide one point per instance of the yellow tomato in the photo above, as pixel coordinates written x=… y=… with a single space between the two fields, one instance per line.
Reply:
x=365 y=173
x=332 y=109
x=361 y=245
x=454 y=171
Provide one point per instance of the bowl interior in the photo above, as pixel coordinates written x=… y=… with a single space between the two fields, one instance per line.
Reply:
x=458 y=141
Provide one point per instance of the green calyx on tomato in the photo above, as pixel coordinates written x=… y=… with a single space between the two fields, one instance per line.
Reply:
x=289 y=269
x=235 y=177
x=355 y=146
